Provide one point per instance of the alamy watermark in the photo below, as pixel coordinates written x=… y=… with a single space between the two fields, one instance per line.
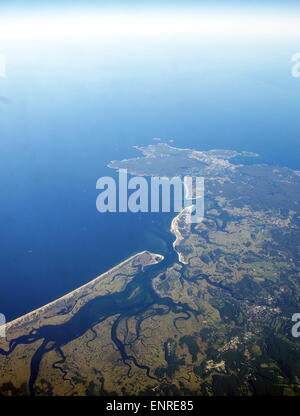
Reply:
x=161 y=195
x=296 y=326
x=296 y=65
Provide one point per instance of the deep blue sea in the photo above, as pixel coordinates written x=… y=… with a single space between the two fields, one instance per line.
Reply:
x=67 y=109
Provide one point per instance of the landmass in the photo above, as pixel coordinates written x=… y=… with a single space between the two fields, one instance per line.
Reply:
x=211 y=317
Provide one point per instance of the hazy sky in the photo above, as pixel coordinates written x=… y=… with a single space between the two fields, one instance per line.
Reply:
x=32 y=19
x=237 y=4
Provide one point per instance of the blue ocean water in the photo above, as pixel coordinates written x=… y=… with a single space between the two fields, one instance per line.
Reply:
x=66 y=110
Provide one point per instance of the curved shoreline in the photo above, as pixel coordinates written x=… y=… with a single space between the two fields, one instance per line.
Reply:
x=28 y=317
x=176 y=230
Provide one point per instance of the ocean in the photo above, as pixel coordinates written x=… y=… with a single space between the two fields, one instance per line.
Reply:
x=67 y=109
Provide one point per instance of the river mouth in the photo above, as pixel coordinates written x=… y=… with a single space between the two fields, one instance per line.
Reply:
x=137 y=297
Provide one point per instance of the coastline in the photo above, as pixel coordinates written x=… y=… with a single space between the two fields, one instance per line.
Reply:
x=176 y=230
x=30 y=316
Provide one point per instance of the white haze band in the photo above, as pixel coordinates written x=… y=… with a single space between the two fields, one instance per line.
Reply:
x=187 y=193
